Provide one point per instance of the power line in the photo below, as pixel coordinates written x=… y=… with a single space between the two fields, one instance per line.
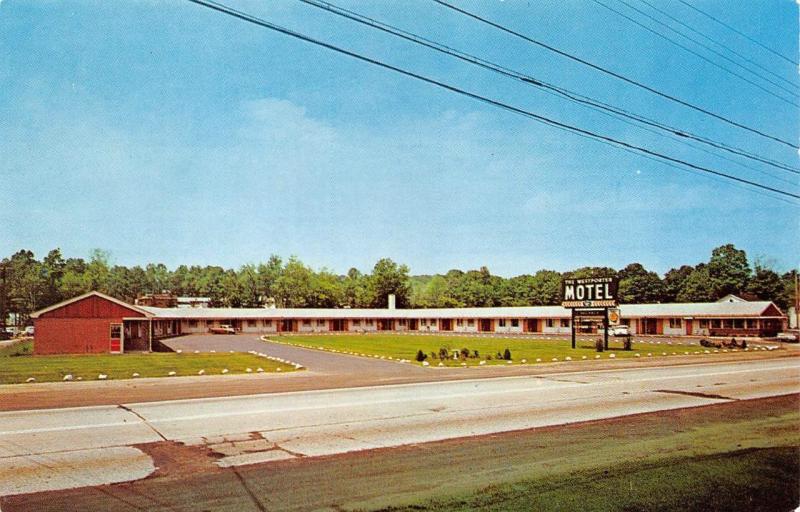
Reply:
x=720 y=22
x=698 y=55
x=572 y=96
x=616 y=75
x=721 y=45
x=543 y=119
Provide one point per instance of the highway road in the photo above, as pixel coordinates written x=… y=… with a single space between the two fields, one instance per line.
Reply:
x=76 y=447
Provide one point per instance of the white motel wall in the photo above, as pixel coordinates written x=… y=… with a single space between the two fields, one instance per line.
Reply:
x=724 y=318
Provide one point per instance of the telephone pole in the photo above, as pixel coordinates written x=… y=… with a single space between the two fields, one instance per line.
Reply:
x=3 y=265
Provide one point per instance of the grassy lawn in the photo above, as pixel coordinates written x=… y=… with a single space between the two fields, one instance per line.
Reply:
x=14 y=370
x=403 y=346
x=763 y=479
x=17 y=349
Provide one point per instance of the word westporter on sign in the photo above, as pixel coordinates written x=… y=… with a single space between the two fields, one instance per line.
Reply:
x=590 y=292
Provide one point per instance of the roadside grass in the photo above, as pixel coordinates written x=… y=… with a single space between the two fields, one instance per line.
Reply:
x=404 y=346
x=15 y=370
x=22 y=348
x=746 y=480
x=736 y=456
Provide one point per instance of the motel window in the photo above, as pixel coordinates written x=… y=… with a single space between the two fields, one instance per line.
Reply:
x=549 y=322
x=116 y=331
x=501 y=322
x=432 y=321
x=675 y=323
x=738 y=323
x=471 y=322
x=715 y=323
x=356 y=322
x=369 y=322
x=564 y=322
x=268 y=323
x=704 y=324
x=515 y=322
x=459 y=322
x=727 y=324
x=320 y=322
x=751 y=323
x=192 y=323
x=402 y=321
x=306 y=322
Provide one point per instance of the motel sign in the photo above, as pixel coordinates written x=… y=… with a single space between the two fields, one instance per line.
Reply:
x=590 y=297
x=591 y=292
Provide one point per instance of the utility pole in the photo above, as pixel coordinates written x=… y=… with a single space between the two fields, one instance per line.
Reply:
x=3 y=313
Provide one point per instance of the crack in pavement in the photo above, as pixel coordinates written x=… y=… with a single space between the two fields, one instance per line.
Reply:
x=144 y=420
x=696 y=394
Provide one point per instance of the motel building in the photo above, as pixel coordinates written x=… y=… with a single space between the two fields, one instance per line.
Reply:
x=97 y=323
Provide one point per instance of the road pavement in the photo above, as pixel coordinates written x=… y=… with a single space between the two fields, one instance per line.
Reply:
x=59 y=448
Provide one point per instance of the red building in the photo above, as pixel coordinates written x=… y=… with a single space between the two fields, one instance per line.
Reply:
x=91 y=323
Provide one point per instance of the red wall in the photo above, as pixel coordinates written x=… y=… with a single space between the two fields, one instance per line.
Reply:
x=79 y=328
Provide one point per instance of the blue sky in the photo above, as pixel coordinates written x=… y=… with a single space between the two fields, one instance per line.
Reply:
x=166 y=132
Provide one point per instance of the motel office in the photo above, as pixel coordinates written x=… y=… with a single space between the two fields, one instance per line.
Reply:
x=95 y=322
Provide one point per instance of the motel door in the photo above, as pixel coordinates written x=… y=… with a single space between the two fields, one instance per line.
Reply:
x=688 y=327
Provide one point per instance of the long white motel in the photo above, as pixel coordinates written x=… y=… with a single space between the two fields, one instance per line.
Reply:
x=95 y=322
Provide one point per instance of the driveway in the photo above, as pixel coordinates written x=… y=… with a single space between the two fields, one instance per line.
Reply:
x=314 y=360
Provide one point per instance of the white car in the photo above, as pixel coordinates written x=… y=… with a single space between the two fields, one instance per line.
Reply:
x=29 y=330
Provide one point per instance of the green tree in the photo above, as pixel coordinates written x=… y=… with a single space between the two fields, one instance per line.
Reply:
x=638 y=286
x=729 y=270
x=673 y=282
x=268 y=274
x=294 y=286
x=98 y=270
x=355 y=289
x=697 y=287
x=388 y=277
x=766 y=284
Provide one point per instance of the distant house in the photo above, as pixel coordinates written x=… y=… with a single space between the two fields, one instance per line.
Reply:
x=194 y=302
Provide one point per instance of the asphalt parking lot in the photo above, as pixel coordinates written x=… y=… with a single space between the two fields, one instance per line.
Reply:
x=315 y=360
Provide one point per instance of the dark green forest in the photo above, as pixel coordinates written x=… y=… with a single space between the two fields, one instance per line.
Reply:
x=31 y=284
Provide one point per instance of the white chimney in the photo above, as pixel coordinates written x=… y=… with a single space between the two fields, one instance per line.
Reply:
x=392 y=301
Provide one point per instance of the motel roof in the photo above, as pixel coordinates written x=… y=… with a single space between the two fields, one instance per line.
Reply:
x=677 y=310
x=763 y=309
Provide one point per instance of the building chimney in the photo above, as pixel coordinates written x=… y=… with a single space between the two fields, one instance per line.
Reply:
x=392 y=301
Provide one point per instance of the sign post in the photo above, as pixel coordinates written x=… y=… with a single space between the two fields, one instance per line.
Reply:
x=590 y=297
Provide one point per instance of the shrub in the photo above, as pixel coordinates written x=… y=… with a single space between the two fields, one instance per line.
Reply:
x=421 y=356
x=475 y=354
x=464 y=353
x=488 y=357
x=507 y=354
x=433 y=355
x=444 y=353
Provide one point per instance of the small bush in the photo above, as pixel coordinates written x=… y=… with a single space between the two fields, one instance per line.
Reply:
x=421 y=356
x=475 y=354
x=464 y=353
x=488 y=357
x=444 y=353
x=507 y=354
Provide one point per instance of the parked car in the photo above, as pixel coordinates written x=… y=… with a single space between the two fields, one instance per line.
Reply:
x=222 y=329
x=28 y=330
x=12 y=330
x=791 y=337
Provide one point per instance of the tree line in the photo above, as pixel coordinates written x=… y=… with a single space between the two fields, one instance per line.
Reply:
x=32 y=284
